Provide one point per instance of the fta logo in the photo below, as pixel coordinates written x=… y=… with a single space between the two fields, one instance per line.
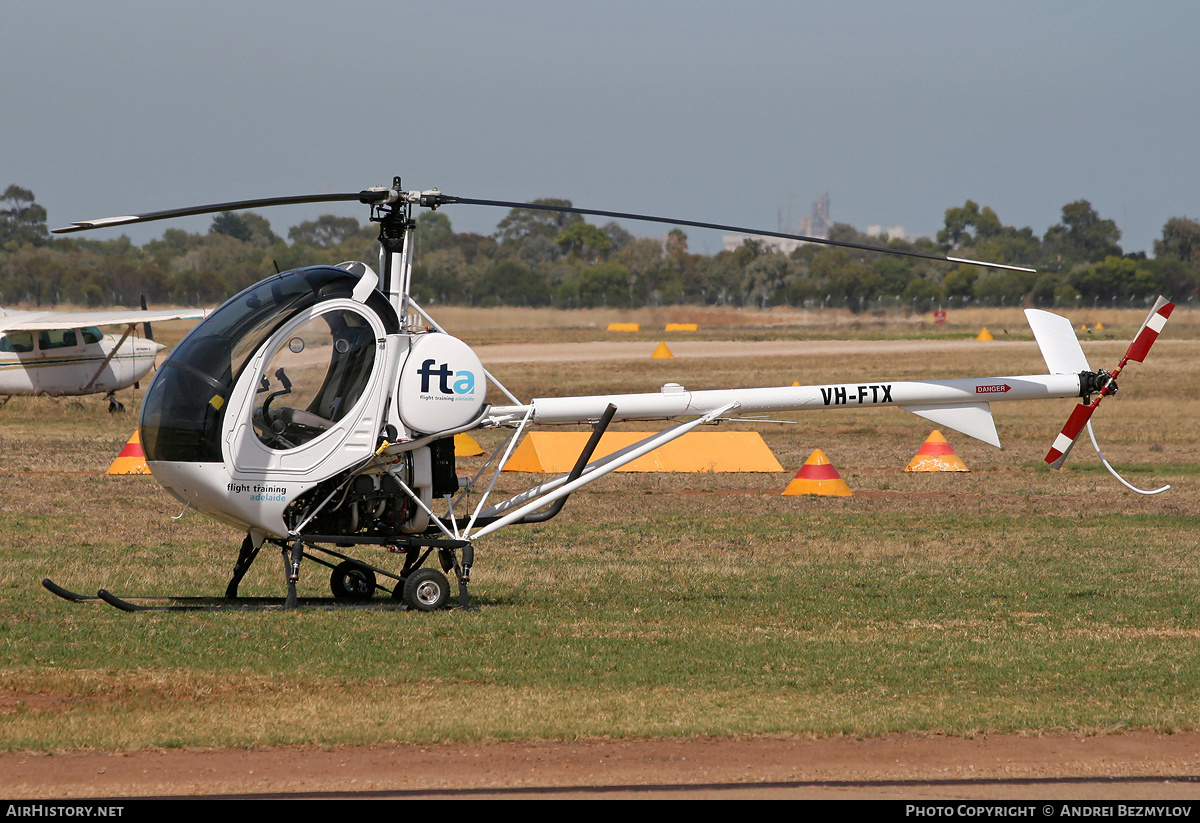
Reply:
x=464 y=381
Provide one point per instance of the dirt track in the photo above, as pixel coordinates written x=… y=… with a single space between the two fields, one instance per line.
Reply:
x=1052 y=767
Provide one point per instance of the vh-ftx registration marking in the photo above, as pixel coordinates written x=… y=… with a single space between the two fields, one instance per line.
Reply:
x=879 y=393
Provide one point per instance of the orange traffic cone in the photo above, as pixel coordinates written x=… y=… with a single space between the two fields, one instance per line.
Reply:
x=818 y=476
x=661 y=353
x=984 y=335
x=936 y=455
x=131 y=460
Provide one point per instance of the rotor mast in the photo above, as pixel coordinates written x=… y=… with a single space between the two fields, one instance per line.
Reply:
x=393 y=213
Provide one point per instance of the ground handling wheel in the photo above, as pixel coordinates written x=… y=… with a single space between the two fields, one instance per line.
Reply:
x=426 y=590
x=352 y=580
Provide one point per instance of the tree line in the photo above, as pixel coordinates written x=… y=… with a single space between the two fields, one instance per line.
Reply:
x=546 y=258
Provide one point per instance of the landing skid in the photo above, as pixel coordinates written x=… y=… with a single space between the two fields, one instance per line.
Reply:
x=354 y=583
x=163 y=603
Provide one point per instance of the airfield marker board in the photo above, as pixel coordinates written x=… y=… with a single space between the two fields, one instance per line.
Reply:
x=466 y=446
x=556 y=452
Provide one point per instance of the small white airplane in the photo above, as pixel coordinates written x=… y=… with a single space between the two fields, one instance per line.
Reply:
x=65 y=353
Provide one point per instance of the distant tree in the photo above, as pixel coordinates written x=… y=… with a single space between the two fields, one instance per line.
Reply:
x=845 y=233
x=960 y=282
x=474 y=246
x=1180 y=239
x=520 y=223
x=22 y=220
x=677 y=242
x=765 y=275
x=513 y=284
x=433 y=231
x=1177 y=279
x=846 y=281
x=583 y=240
x=1083 y=235
x=1115 y=278
x=260 y=230
x=326 y=231
x=617 y=236
x=957 y=220
x=606 y=284
x=537 y=249
x=231 y=224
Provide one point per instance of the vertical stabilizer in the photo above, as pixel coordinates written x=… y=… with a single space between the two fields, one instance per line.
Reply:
x=1056 y=338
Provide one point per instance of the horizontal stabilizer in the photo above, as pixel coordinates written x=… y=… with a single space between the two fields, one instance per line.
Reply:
x=1056 y=338
x=972 y=419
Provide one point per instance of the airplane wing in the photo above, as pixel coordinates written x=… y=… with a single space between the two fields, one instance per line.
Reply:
x=43 y=320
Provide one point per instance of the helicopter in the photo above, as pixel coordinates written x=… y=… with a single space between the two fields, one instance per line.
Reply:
x=316 y=411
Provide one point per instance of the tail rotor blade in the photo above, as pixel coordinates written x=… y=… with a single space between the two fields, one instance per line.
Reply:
x=1148 y=333
x=1066 y=438
x=1079 y=418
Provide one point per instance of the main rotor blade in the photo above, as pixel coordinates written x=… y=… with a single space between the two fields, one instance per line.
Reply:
x=722 y=227
x=372 y=196
x=434 y=198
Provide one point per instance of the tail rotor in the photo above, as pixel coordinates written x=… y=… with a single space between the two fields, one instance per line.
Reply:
x=1103 y=383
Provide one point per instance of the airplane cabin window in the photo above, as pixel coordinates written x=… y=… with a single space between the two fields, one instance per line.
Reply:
x=57 y=339
x=18 y=342
x=92 y=335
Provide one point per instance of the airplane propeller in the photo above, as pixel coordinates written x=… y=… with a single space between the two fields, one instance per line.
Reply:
x=1105 y=383
x=379 y=197
x=146 y=326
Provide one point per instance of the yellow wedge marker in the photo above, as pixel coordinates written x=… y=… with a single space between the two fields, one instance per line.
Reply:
x=466 y=446
x=556 y=452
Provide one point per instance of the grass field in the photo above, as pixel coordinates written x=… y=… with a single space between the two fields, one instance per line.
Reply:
x=1013 y=598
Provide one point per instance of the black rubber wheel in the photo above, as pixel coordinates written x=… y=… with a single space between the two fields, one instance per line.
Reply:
x=426 y=590
x=352 y=580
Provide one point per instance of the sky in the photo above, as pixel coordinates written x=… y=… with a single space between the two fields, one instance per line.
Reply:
x=728 y=112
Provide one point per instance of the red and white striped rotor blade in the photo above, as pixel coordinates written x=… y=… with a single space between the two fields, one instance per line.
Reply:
x=1066 y=438
x=1148 y=333
x=1141 y=344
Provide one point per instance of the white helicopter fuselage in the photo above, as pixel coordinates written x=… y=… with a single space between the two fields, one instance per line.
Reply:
x=72 y=361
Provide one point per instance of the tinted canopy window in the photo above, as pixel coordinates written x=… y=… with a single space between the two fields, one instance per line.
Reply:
x=184 y=408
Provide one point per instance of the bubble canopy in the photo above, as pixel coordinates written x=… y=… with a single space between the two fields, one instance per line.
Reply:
x=184 y=409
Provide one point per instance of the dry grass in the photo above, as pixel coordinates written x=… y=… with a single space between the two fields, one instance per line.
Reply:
x=1011 y=598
